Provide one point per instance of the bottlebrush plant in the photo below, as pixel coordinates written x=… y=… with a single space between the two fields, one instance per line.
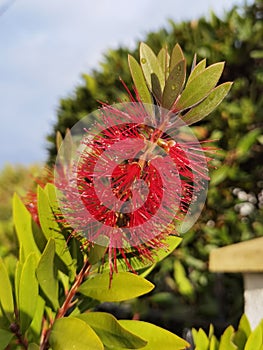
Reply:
x=128 y=179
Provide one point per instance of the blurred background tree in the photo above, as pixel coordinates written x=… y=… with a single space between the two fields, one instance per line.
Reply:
x=19 y=179
x=186 y=294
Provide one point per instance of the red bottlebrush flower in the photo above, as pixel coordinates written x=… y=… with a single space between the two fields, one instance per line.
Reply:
x=30 y=198
x=134 y=178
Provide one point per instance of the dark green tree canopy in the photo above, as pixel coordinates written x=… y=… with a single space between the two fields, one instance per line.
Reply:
x=185 y=290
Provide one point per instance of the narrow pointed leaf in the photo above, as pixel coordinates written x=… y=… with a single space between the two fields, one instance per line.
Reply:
x=28 y=292
x=96 y=253
x=200 y=67
x=33 y=346
x=5 y=338
x=151 y=68
x=37 y=322
x=157 y=338
x=111 y=333
x=23 y=226
x=213 y=343
x=139 y=80
x=208 y=105
x=200 y=86
x=226 y=340
x=174 y=84
x=242 y=333
x=18 y=271
x=97 y=287
x=46 y=274
x=51 y=229
x=59 y=140
x=201 y=340
x=171 y=242
x=6 y=295
x=176 y=57
x=72 y=333
x=164 y=60
x=255 y=339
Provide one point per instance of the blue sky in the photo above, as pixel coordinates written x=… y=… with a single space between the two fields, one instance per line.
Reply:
x=46 y=45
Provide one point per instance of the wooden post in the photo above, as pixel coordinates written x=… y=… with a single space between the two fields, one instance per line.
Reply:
x=246 y=258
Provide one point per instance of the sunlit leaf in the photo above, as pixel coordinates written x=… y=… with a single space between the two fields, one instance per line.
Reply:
x=208 y=105
x=37 y=322
x=28 y=292
x=255 y=339
x=111 y=333
x=184 y=285
x=23 y=226
x=170 y=243
x=200 y=86
x=201 y=340
x=97 y=287
x=51 y=229
x=139 y=80
x=226 y=342
x=157 y=338
x=200 y=67
x=176 y=56
x=164 y=60
x=72 y=333
x=152 y=70
x=242 y=333
x=6 y=295
x=46 y=273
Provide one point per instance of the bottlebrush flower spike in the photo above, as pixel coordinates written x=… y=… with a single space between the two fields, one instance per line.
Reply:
x=133 y=173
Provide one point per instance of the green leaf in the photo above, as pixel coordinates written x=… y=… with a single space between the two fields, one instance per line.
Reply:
x=200 y=86
x=51 y=229
x=96 y=253
x=201 y=340
x=23 y=226
x=184 y=285
x=152 y=70
x=124 y=286
x=46 y=274
x=28 y=292
x=226 y=342
x=139 y=80
x=255 y=339
x=174 y=84
x=242 y=333
x=176 y=57
x=171 y=242
x=6 y=295
x=111 y=333
x=37 y=322
x=164 y=60
x=219 y=175
x=33 y=346
x=246 y=142
x=200 y=67
x=157 y=338
x=18 y=271
x=213 y=343
x=208 y=105
x=72 y=333
x=5 y=338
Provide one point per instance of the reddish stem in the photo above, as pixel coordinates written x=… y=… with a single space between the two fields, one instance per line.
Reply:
x=68 y=303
